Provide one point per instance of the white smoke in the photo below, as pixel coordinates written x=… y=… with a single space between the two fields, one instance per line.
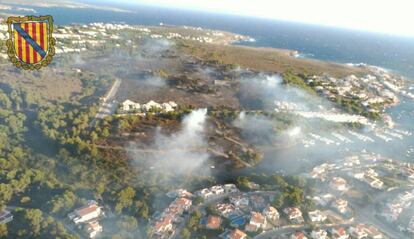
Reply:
x=295 y=131
x=183 y=152
x=266 y=90
x=255 y=128
x=154 y=81
x=156 y=46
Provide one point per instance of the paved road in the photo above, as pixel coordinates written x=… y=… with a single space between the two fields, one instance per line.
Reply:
x=367 y=216
x=292 y=228
x=108 y=106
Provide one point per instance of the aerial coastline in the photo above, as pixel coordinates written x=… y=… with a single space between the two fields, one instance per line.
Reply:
x=180 y=132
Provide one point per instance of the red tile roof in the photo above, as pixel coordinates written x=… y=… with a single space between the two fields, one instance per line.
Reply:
x=237 y=234
x=257 y=218
x=83 y=211
x=213 y=222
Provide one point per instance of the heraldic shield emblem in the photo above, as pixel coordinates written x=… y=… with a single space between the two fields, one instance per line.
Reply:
x=30 y=45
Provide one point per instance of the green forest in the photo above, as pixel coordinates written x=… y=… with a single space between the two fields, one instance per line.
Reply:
x=49 y=165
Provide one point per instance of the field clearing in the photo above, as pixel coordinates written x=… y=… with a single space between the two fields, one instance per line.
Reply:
x=47 y=84
x=267 y=59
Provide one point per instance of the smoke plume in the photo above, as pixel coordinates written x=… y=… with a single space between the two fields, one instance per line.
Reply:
x=182 y=152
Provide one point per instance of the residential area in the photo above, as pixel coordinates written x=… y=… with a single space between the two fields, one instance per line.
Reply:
x=163 y=132
x=128 y=107
x=223 y=211
x=379 y=185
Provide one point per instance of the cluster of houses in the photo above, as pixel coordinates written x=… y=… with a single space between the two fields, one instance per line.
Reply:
x=353 y=167
x=340 y=205
x=174 y=35
x=233 y=234
x=83 y=37
x=86 y=37
x=210 y=36
x=91 y=35
x=129 y=106
x=294 y=214
x=164 y=224
x=317 y=216
x=405 y=168
x=320 y=171
x=87 y=218
x=339 y=184
x=245 y=215
x=410 y=226
x=370 y=170
x=202 y=35
x=252 y=213
x=396 y=206
x=218 y=190
x=315 y=234
x=369 y=176
x=359 y=231
x=372 y=90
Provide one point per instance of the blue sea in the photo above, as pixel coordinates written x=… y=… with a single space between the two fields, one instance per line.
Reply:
x=324 y=43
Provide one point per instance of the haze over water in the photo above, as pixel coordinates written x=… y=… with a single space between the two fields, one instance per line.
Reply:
x=345 y=46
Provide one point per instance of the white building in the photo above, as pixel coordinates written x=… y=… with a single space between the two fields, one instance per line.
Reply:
x=271 y=213
x=316 y=216
x=339 y=233
x=298 y=235
x=230 y=188
x=163 y=226
x=240 y=201
x=151 y=105
x=129 y=105
x=217 y=189
x=323 y=200
x=294 y=214
x=341 y=205
x=182 y=203
x=236 y=234
x=225 y=209
x=93 y=229
x=205 y=193
x=374 y=182
x=406 y=196
x=167 y=107
x=358 y=232
x=339 y=184
x=257 y=220
x=374 y=233
x=319 y=234
x=87 y=213
x=410 y=226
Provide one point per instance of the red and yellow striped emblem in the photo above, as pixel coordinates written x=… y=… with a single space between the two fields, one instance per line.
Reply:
x=31 y=44
x=25 y=51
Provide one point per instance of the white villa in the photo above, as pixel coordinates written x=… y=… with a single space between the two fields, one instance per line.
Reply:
x=87 y=213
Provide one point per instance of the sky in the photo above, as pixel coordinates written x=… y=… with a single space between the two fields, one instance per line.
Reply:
x=386 y=16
